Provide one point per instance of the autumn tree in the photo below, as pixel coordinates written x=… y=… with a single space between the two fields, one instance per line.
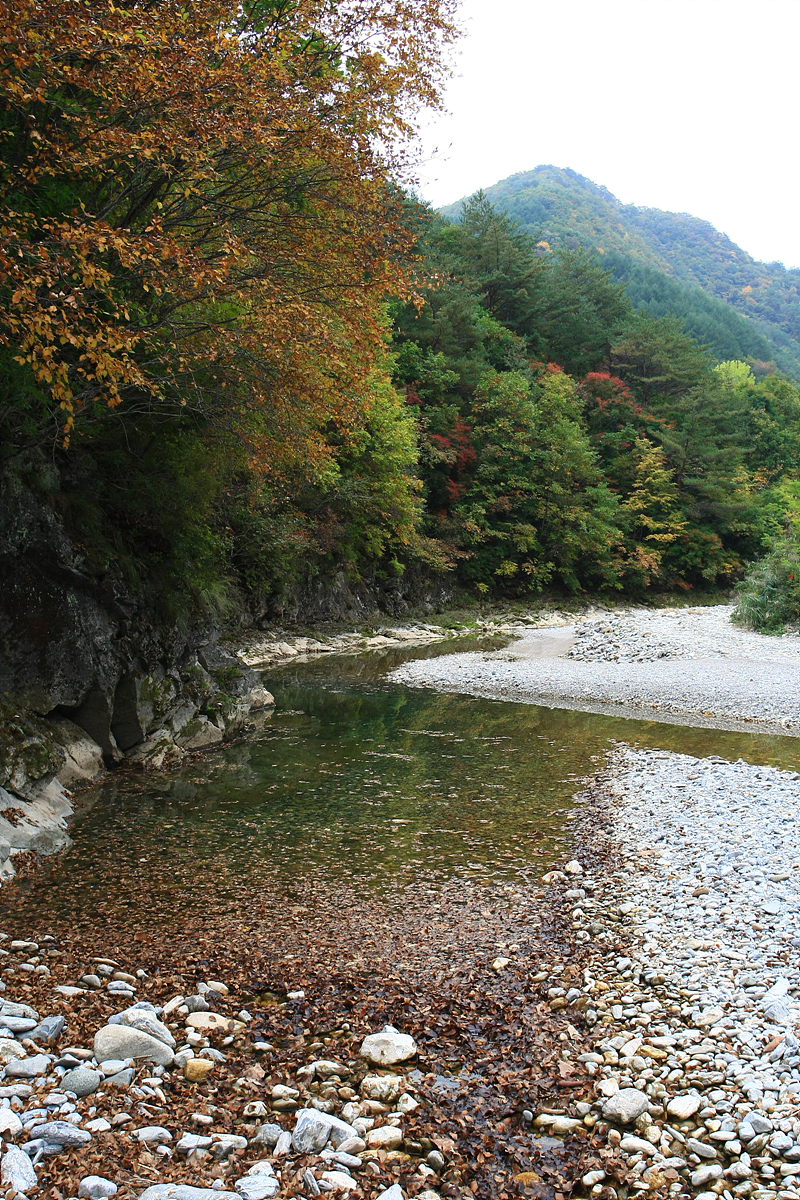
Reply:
x=537 y=509
x=199 y=209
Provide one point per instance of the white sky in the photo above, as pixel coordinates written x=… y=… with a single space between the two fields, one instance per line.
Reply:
x=685 y=105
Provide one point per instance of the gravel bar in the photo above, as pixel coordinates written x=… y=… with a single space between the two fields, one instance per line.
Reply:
x=663 y=664
x=691 y=977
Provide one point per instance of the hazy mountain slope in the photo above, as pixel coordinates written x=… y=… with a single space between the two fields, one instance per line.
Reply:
x=560 y=207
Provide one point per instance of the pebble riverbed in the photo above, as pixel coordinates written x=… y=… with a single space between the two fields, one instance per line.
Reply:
x=696 y=1059
x=678 y=1046
x=115 y=1099
x=690 y=662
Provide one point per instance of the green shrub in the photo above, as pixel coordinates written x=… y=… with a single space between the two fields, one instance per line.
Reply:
x=769 y=595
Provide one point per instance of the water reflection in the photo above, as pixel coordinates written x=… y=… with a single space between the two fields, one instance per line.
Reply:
x=358 y=778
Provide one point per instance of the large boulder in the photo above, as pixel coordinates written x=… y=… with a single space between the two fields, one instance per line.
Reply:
x=144 y=1019
x=624 y=1107
x=121 y=1042
x=314 y=1129
x=388 y=1047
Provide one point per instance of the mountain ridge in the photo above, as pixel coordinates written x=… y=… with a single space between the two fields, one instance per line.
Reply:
x=560 y=207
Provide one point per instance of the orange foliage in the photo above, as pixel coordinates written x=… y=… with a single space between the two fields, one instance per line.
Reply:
x=197 y=203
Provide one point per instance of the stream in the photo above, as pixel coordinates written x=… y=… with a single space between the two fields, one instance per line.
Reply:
x=352 y=779
x=372 y=854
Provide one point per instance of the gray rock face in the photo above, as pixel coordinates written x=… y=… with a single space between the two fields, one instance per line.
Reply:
x=90 y=647
x=42 y=827
x=626 y=1106
x=61 y=1133
x=16 y=1171
x=49 y=1030
x=82 y=1081
x=83 y=757
x=313 y=1130
x=28 y=1068
x=120 y=1041
x=182 y=1191
x=388 y=1047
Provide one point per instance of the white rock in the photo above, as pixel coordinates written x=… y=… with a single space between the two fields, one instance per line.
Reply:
x=556 y=1124
x=340 y=1181
x=706 y=1174
x=153 y=1133
x=98 y=1125
x=183 y=1191
x=10 y=1048
x=683 y=1107
x=385 y=1088
x=313 y=1130
x=388 y=1047
x=10 y=1124
x=120 y=1041
x=395 y=1192
x=636 y=1145
x=192 y=1141
x=626 y=1105
x=259 y=1186
x=385 y=1137
x=16 y=1171
x=709 y=1017
x=95 y=1187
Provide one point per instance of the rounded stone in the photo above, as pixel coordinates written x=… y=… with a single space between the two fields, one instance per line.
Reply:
x=82 y=1081
x=626 y=1105
x=683 y=1107
x=120 y=1041
x=95 y=1187
x=388 y=1047
x=197 y=1069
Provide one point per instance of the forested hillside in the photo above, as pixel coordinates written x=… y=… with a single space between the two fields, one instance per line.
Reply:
x=561 y=208
x=567 y=438
x=240 y=364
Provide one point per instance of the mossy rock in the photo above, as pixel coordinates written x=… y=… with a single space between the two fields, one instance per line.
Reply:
x=28 y=750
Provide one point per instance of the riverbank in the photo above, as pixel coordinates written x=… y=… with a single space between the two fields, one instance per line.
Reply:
x=262 y=1084
x=687 y=666
x=615 y=1026
x=626 y=1026
x=686 y=900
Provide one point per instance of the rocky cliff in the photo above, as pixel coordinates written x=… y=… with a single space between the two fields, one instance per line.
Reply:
x=90 y=676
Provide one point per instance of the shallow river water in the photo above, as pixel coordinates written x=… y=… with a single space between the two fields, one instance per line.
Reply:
x=351 y=777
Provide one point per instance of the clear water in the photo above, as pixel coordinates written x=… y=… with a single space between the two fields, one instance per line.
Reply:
x=351 y=777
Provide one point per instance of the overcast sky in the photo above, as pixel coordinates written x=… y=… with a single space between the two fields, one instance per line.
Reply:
x=685 y=105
